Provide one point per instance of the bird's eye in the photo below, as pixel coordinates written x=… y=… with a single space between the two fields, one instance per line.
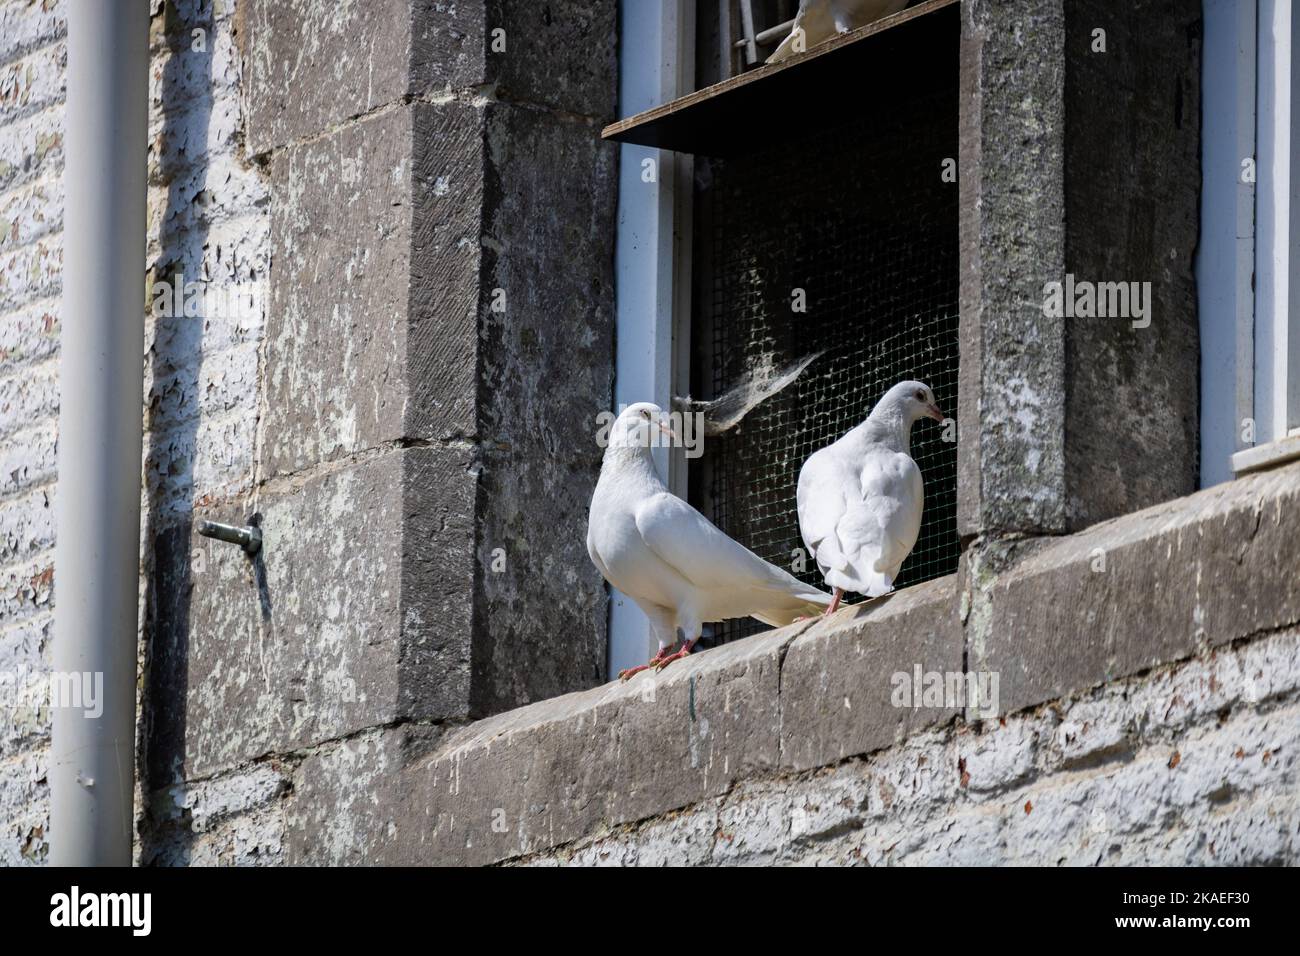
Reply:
x=645 y=414
x=920 y=396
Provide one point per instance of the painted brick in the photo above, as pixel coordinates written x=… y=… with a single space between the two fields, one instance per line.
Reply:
x=33 y=83
x=24 y=809
x=27 y=525
x=31 y=272
x=31 y=396
x=29 y=334
x=31 y=147
x=30 y=213
x=27 y=26
x=24 y=687
x=27 y=458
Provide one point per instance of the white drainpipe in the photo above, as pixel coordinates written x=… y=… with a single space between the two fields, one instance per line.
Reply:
x=96 y=558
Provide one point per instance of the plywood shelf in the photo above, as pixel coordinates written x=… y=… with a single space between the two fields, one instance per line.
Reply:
x=771 y=104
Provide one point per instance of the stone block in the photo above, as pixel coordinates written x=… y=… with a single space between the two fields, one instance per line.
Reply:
x=1131 y=216
x=355 y=613
x=561 y=55
x=1115 y=201
x=1011 y=416
x=312 y=64
x=340 y=275
x=557 y=770
x=546 y=369
x=346 y=798
x=841 y=680
x=1149 y=588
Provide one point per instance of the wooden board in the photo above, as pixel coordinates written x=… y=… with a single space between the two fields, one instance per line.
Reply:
x=831 y=81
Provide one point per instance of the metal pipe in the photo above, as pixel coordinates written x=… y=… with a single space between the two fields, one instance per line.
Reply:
x=96 y=558
x=771 y=35
x=747 y=25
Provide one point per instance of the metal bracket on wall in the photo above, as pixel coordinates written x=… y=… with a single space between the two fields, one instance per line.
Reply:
x=249 y=537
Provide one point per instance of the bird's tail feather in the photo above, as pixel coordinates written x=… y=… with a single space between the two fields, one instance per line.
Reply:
x=869 y=582
x=812 y=604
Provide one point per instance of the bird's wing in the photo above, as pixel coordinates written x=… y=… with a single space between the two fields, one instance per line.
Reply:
x=685 y=540
x=878 y=531
x=594 y=554
x=821 y=503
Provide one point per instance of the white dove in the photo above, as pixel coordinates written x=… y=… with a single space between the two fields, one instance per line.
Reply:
x=860 y=498
x=820 y=20
x=668 y=558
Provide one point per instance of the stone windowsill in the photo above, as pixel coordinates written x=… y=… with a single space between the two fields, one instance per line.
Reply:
x=1262 y=457
x=1057 y=616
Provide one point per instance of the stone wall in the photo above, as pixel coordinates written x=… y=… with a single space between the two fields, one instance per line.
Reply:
x=1188 y=765
x=439 y=315
x=1138 y=720
x=408 y=214
x=420 y=223
x=1079 y=157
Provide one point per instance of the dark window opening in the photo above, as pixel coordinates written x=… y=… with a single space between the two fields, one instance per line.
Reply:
x=860 y=217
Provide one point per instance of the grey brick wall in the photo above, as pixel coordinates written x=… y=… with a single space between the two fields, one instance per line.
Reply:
x=208 y=221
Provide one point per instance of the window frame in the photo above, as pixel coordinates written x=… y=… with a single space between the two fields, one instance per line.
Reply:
x=652 y=259
x=1246 y=270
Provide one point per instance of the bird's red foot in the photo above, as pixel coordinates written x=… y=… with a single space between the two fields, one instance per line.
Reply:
x=672 y=657
x=629 y=672
x=835 y=603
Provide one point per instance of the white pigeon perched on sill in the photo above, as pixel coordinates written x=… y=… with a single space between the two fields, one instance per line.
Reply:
x=860 y=499
x=671 y=560
x=820 y=20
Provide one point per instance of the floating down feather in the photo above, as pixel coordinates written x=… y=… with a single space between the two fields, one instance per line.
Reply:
x=756 y=385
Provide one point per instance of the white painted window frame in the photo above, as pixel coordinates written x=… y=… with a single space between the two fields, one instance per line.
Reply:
x=652 y=257
x=1247 y=272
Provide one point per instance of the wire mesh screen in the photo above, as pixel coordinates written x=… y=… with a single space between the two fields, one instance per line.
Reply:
x=861 y=220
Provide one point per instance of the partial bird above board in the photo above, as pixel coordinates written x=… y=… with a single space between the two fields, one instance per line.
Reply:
x=860 y=499
x=819 y=20
x=671 y=560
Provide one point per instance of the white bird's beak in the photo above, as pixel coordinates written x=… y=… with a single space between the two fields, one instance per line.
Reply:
x=932 y=411
x=667 y=430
